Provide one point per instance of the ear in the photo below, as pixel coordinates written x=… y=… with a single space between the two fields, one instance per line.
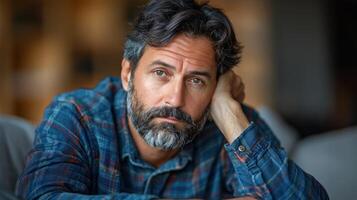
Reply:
x=125 y=73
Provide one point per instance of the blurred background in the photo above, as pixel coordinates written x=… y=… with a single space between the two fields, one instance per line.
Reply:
x=299 y=66
x=299 y=57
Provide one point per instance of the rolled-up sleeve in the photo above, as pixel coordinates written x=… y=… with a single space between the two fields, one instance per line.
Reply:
x=262 y=168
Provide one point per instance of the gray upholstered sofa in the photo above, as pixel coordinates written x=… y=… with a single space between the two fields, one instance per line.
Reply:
x=16 y=136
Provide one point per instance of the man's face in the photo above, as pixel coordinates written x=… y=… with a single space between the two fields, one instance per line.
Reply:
x=169 y=94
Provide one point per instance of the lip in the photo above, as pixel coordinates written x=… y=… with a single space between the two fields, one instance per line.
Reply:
x=169 y=119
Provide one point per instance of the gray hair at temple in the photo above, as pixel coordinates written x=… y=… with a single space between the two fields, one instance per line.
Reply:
x=161 y=20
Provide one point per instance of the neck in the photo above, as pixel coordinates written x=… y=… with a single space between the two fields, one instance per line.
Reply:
x=149 y=154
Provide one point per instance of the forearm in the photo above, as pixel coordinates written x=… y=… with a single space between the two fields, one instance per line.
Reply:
x=261 y=166
x=265 y=170
x=229 y=118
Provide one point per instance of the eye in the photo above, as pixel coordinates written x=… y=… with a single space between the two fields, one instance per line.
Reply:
x=197 y=82
x=160 y=73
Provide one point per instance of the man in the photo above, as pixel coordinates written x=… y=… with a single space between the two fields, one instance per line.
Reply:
x=147 y=136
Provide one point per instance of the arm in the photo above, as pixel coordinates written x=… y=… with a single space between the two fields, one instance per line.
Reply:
x=261 y=167
x=60 y=165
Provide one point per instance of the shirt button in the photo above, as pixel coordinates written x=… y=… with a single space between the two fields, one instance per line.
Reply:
x=241 y=148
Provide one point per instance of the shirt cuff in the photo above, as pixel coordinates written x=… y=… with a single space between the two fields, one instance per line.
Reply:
x=249 y=144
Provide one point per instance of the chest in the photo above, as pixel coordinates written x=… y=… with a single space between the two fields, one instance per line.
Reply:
x=172 y=180
x=197 y=173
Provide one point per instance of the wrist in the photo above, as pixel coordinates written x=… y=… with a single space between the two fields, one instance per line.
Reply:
x=230 y=119
x=235 y=127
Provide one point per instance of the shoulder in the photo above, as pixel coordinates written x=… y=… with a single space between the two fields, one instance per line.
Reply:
x=92 y=102
x=254 y=117
x=84 y=109
x=250 y=113
x=80 y=116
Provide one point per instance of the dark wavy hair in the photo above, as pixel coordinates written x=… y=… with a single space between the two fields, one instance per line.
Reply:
x=161 y=20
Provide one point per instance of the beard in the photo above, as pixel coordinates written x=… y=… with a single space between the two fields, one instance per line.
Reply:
x=165 y=136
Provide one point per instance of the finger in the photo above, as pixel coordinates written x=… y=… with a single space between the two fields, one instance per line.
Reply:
x=241 y=97
x=238 y=88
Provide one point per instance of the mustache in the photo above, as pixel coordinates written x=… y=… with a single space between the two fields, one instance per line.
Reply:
x=167 y=111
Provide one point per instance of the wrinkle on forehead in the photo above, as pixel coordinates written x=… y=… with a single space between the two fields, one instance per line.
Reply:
x=196 y=51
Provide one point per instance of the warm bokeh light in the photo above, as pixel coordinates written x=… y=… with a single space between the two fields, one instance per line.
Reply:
x=290 y=63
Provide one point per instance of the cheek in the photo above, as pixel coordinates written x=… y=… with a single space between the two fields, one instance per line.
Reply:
x=147 y=91
x=197 y=106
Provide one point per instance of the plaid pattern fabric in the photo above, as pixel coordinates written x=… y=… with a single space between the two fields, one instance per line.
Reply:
x=83 y=150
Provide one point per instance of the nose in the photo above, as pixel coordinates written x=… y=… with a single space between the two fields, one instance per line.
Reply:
x=176 y=95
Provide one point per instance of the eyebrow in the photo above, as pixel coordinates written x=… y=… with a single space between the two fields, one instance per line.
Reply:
x=159 y=62
x=198 y=73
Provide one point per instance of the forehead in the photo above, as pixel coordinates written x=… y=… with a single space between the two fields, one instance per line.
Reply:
x=196 y=51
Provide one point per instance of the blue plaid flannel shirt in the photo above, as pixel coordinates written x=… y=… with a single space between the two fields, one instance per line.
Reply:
x=83 y=150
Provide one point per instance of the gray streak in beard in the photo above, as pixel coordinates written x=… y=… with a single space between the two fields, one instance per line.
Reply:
x=163 y=135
